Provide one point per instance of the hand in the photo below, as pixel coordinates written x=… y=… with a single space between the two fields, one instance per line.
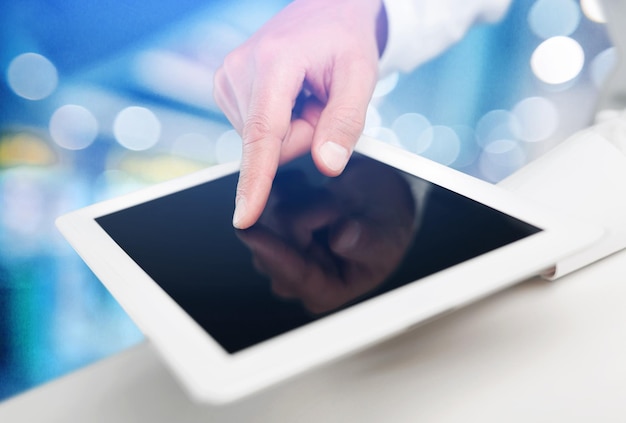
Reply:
x=319 y=56
x=328 y=246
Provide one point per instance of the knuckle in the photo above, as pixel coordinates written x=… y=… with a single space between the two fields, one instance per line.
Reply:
x=265 y=48
x=348 y=121
x=257 y=128
x=231 y=61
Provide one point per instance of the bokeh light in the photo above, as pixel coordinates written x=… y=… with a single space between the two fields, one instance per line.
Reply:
x=115 y=182
x=386 y=85
x=73 y=127
x=23 y=204
x=32 y=76
x=137 y=128
x=153 y=168
x=228 y=147
x=384 y=134
x=195 y=146
x=411 y=131
x=496 y=125
x=557 y=60
x=551 y=18
x=593 y=10
x=469 y=149
x=602 y=65
x=538 y=119
x=445 y=145
x=24 y=148
x=500 y=158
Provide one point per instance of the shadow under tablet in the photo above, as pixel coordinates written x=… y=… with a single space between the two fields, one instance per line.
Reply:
x=321 y=245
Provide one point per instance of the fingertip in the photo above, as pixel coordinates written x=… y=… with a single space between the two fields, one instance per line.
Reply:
x=336 y=135
x=247 y=211
x=258 y=168
x=334 y=157
x=240 y=217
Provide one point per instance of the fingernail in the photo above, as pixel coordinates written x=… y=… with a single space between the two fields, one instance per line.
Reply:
x=240 y=211
x=348 y=238
x=334 y=156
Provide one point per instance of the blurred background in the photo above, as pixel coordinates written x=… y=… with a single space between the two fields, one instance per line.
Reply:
x=102 y=97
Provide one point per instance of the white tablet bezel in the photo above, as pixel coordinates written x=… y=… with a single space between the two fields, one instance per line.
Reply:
x=210 y=374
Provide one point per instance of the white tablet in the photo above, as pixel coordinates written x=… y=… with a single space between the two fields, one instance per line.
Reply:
x=334 y=264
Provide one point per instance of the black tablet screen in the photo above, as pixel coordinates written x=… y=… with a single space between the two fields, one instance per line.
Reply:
x=322 y=244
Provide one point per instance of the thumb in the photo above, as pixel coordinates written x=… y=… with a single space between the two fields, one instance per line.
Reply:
x=342 y=121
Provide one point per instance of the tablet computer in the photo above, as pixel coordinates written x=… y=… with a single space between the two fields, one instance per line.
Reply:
x=333 y=265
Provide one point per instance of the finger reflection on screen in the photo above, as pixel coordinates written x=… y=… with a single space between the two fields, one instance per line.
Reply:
x=326 y=244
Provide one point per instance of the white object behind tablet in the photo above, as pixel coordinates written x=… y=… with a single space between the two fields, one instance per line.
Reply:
x=583 y=177
x=233 y=312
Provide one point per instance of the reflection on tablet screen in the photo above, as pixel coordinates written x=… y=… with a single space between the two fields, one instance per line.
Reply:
x=322 y=244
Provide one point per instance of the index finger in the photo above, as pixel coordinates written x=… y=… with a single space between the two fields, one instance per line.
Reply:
x=266 y=124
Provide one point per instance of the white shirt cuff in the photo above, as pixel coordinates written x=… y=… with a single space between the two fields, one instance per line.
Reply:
x=419 y=30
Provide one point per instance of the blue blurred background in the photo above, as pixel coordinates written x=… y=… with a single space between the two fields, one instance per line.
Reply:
x=99 y=98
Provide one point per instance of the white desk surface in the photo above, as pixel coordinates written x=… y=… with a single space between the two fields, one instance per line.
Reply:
x=539 y=352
